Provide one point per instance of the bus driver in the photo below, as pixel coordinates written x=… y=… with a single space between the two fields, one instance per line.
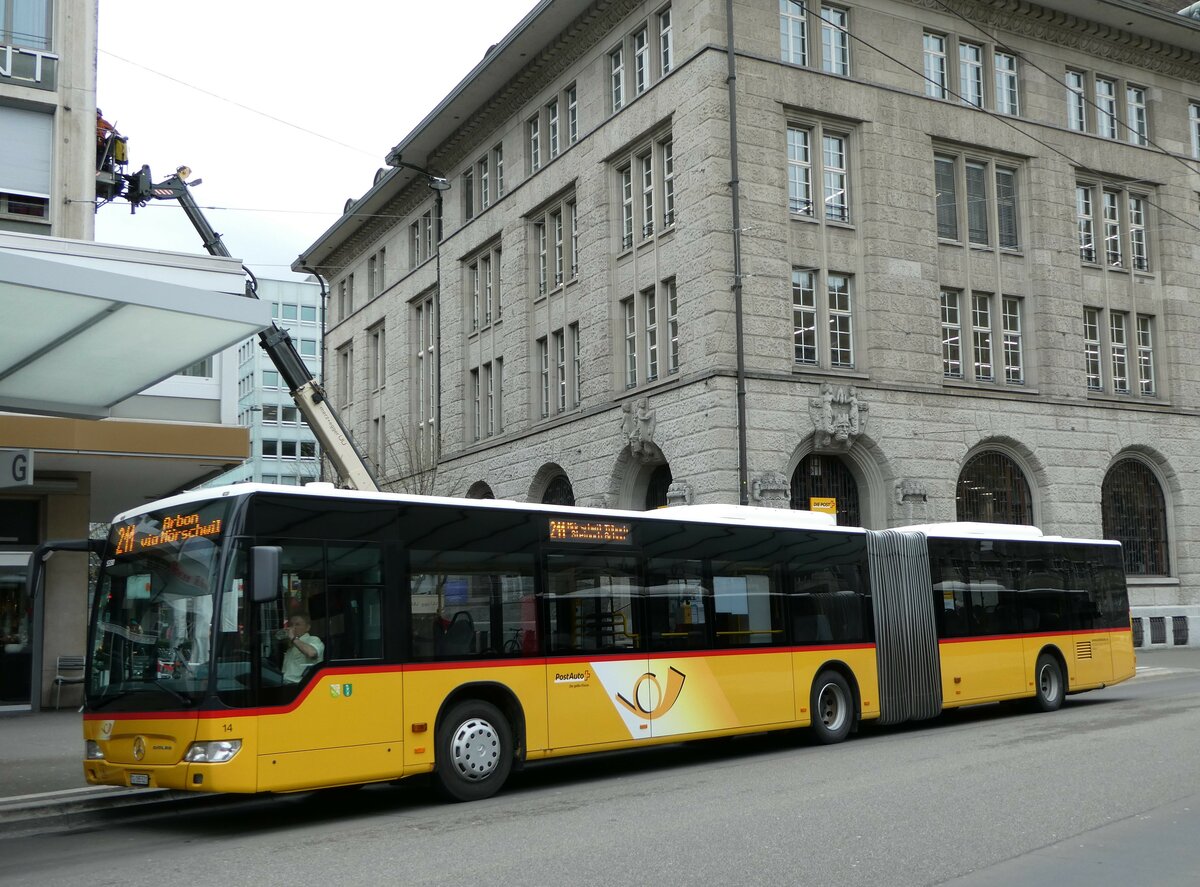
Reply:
x=303 y=649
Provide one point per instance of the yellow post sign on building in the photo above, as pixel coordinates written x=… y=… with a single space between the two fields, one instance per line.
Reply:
x=823 y=503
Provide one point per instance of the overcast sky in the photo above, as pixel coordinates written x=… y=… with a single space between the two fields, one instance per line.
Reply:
x=230 y=88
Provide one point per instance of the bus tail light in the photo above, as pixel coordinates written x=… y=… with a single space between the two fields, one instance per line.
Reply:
x=215 y=752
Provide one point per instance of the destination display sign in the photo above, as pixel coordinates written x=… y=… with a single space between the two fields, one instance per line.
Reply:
x=606 y=532
x=174 y=529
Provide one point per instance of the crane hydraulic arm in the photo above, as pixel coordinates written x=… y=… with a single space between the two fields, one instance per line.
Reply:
x=310 y=398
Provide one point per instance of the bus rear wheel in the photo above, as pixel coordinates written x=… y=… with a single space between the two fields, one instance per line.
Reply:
x=474 y=751
x=832 y=707
x=1048 y=684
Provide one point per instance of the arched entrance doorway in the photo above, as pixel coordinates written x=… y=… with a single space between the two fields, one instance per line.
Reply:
x=820 y=476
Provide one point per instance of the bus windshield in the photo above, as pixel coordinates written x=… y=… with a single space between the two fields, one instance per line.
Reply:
x=152 y=625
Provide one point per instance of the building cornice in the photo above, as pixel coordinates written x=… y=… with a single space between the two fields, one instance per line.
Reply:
x=1064 y=29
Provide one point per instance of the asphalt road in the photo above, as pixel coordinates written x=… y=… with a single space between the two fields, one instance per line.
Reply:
x=1104 y=792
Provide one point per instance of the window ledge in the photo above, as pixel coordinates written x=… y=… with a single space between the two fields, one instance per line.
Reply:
x=972 y=385
x=1151 y=580
x=804 y=369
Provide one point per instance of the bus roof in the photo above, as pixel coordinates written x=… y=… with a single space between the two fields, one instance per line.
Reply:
x=784 y=518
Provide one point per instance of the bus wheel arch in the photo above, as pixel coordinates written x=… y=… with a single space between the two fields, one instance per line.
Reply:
x=834 y=703
x=1049 y=679
x=504 y=703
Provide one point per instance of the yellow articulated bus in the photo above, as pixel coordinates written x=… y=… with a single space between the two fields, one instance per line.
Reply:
x=277 y=639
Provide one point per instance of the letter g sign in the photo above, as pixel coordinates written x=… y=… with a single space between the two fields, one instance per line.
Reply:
x=16 y=468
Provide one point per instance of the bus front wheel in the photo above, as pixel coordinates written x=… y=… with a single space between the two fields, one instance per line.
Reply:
x=832 y=707
x=474 y=751
x=1048 y=683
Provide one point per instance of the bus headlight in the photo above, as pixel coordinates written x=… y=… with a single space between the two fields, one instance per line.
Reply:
x=91 y=751
x=216 y=752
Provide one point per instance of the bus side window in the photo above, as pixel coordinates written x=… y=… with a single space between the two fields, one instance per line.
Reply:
x=594 y=603
x=675 y=605
x=748 y=605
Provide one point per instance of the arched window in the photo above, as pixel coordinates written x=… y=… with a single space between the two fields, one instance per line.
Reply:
x=826 y=477
x=992 y=488
x=1134 y=512
x=559 y=492
x=480 y=490
x=656 y=488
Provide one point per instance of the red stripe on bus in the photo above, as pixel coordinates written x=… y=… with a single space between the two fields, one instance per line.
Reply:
x=1040 y=634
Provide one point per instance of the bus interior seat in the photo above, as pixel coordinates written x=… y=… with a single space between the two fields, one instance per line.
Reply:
x=460 y=634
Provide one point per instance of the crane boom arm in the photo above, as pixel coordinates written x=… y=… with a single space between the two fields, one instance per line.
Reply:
x=306 y=391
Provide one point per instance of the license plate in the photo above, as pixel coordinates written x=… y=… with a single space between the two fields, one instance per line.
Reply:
x=142 y=779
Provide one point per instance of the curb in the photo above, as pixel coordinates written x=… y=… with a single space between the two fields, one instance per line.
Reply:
x=37 y=812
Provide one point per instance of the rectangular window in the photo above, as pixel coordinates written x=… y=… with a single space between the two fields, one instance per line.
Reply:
x=1106 y=108
x=489 y=300
x=1091 y=348
x=641 y=62
x=841 y=340
x=834 y=162
x=1119 y=351
x=498 y=383
x=1135 y=115
x=793 y=32
x=468 y=192
x=1077 y=101
x=552 y=127
x=631 y=359
x=573 y=215
x=498 y=169
x=1137 y=234
x=951 y=335
x=672 y=326
x=799 y=172
x=377 y=353
x=977 y=203
x=747 y=606
x=544 y=363
x=1145 y=356
x=1007 y=84
x=485 y=182
x=804 y=316
x=473 y=277
x=668 y=175
x=1014 y=364
x=970 y=73
x=650 y=303
x=533 y=132
x=1111 y=206
x=666 y=49
x=626 y=175
x=1194 y=126
x=489 y=402
x=1086 y=223
x=539 y=234
x=981 y=336
x=1006 y=207
x=475 y=405
x=572 y=115
x=647 y=176
x=616 y=66
x=935 y=65
x=576 y=364
x=947 y=200
x=425 y=371
x=835 y=41
x=560 y=370
x=556 y=221
x=834 y=173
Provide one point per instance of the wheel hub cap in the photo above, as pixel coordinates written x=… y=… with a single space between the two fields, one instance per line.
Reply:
x=475 y=749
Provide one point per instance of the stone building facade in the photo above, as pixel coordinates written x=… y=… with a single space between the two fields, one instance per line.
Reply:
x=930 y=260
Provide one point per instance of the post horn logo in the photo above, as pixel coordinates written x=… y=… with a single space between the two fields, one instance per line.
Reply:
x=139 y=748
x=660 y=701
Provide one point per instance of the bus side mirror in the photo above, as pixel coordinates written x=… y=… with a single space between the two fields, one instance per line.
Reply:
x=264 y=573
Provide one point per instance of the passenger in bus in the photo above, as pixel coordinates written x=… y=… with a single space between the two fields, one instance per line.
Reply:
x=303 y=649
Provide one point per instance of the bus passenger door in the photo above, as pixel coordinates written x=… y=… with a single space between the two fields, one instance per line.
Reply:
x=595 y=673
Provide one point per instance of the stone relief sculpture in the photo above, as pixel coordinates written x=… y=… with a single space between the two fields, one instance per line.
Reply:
x=679 y=493
x=839 y=416
x=637 y=427
x=771 y=489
